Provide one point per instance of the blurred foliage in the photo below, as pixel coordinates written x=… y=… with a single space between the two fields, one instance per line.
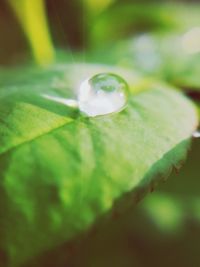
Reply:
x=32 y=18
x=13 y=43
x=166 y=57
x=82 y=24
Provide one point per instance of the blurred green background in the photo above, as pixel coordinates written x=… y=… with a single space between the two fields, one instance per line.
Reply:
x=159 y=39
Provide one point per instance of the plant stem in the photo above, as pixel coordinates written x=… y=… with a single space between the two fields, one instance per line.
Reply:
x=32 y=17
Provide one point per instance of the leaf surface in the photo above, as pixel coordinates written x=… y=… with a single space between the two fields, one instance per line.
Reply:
x=61 y=171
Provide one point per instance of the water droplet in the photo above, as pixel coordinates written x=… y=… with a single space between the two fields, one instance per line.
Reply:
x=102 y=94
x=196 y=134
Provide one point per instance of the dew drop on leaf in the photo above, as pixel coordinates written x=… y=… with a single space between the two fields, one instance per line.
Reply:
x=102 y=94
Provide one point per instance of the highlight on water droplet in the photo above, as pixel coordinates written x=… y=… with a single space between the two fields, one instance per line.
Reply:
x=102 y=94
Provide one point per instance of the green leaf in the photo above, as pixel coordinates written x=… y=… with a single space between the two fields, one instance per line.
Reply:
x=61 y=171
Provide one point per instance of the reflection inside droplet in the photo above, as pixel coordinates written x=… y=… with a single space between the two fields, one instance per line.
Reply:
x=102 y=94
